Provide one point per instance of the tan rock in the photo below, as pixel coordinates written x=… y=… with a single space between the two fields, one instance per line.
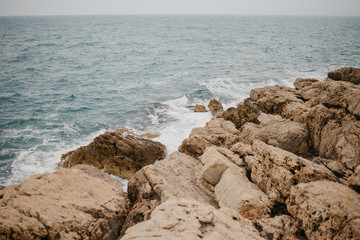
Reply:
x=279 y=228
x=301 y=83
x=296 y=111
x=335 y=166
x=334 y=94
x=77 y=203
x=175 y=176
x=216 y=108
x=275 y=170
x=189 y=219
x=199 y=108
x=354 y=180
x=217 y=132
x=325 y=210
x=242 y=149
x=285 y=134
x=341 y=142
x=232 y=114
x=117 y=152
x=236 y=191
x=348 y=74
x=273 y=99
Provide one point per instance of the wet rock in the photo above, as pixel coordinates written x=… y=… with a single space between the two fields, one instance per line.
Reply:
x=189 y=219
x=118 y=153
x=279 y=228
x=325 y=210
x=216 y=108
x=348 y=74
x=275 y=170
x=77 y=203
x=236 y=191
x=199 y=108
x=217 y=132
x=276 y=131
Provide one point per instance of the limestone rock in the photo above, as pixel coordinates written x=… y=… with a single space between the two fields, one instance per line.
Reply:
x=236 y=191
x=301 y=83
x=199 y=108
x=325 y=210
x=216 y=108
x=232 y=114
x=242 y=149
x=275 y=170
x=335 y=166
x=296 y=111
x=273 y=99
x=218 y=132
x=341 y=142
x=280 y=227
x=189 y=219
x=354 y=180
x=175 y=176
x=285 y=134
x=337 y=94
x=117 y=153
x=77 y=203
x=348 y=74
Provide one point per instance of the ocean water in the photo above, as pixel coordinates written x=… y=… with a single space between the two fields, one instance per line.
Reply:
x=66 y=79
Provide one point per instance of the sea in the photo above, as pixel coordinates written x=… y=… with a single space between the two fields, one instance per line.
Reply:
x=66 y=79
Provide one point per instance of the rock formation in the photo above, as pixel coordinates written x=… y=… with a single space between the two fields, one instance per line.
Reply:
x=282 y=164
x=199 y=108
x=77 y=203
x=118 y=153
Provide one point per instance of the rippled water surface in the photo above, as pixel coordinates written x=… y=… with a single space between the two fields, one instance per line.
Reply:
x=65 y=80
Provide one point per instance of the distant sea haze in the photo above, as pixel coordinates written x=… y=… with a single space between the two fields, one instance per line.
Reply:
x=65 y=80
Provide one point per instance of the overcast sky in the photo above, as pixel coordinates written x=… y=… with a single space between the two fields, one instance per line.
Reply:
x=248 y=7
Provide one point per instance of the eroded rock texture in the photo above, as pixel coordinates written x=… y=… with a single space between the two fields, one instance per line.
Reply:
x=77 y=203
x=325 y=210
x=117 y=153
x=179 y=218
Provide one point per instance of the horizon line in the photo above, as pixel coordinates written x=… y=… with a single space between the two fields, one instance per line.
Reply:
x=176 y=14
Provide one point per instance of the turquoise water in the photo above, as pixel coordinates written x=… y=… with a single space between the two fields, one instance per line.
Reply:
x=65 y=80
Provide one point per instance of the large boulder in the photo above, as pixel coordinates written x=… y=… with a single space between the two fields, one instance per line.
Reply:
x=216 y=108
x=288 y=135
x=325 y=210
x=275 y=170
x=77 y=203
x=179 y=218
x=118 y=153
x=235 y=191
x=199 y=108
x=218 y=132
x=336 y=94
x=175 y=176
x=272 y=100
x=341 y=142
x=348 y=74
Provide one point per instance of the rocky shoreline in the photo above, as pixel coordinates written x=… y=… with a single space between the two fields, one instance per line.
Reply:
x=283 y=164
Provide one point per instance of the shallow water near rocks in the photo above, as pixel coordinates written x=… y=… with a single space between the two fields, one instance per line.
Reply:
x=66 y=79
